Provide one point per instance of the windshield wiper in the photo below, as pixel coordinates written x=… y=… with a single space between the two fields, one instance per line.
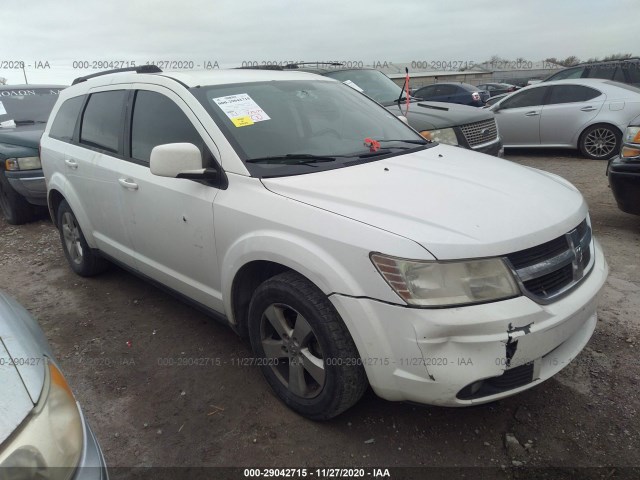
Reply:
x=27 y=122
x=293 y=159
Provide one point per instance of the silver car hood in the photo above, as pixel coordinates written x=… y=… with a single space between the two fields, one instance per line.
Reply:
x=25 y=343
x=15 y=403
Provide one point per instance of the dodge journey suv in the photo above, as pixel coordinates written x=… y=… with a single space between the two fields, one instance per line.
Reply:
x=348 y=249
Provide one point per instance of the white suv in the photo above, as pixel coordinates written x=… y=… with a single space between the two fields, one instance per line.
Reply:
x=349 y=250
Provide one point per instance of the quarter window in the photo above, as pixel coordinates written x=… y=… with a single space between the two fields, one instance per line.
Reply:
x=102 y=120
x=158 y=120
x=65 y=122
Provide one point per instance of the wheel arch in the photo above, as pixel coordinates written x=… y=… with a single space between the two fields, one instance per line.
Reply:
x=57 y=192
x=580 y=134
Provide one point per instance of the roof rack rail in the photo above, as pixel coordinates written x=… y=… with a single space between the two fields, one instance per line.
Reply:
x=332 y=64
x=140 y=69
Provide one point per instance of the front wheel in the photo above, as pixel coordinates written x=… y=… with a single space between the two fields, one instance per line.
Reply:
x=303 y=348
x=600 y=142
x=82 y=259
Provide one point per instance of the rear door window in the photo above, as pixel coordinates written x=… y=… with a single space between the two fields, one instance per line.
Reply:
x=571 y=94
x=102 y=121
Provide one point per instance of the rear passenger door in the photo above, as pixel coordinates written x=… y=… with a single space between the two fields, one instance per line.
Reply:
x=97 y=159
x=170 y=220
x=567 y=110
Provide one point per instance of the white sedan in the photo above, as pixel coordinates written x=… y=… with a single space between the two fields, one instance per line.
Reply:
x=587 y=114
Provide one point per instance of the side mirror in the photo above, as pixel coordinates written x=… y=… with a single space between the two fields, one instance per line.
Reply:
x=176 y=159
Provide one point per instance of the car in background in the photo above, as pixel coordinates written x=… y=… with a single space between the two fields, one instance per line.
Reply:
x=624 y=171
x=452 y=124
x=462 y=93
x=587 y=114
x=498 y=88
x=24 y=110
x=43 y=432
x=623 y=71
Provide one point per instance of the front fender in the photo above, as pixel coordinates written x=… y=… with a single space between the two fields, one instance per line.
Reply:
x=292 y=251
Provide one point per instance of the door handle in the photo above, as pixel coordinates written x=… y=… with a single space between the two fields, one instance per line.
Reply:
x=128 y=183
x=531 y=114
x=588 y=109
x=71 y=163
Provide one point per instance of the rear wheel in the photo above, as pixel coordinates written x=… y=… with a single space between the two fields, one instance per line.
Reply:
x=600 y=142
x=13 y=205
x=303 y=347
x=82 y=259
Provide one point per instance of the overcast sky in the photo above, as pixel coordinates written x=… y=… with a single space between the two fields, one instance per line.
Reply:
x=63 y=31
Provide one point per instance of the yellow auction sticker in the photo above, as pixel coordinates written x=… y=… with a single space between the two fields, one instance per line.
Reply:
x=243 y=121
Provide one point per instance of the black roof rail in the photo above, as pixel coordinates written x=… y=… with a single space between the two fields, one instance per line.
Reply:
x=296 y=65
x=140 y=69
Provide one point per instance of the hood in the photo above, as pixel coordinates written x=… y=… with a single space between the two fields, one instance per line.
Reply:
x=454 y=202
x=24 y=342
x=23 y=135
x=15 y=403
x=431 y=115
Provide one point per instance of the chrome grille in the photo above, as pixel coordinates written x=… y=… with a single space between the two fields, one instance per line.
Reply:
x=547 y=271
x=479 y=133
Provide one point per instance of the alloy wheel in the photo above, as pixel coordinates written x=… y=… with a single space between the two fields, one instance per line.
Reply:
x=71 y=234
x=600 y=142
x=292 y=350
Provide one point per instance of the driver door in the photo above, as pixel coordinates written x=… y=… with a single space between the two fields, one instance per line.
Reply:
x=170 y=220
x=518 y=117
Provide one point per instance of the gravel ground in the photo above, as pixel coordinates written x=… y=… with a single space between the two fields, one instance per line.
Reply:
x=114 y=333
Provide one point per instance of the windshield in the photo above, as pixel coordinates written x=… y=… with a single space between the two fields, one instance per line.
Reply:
x=27 y=105
x=374 y=83
x=294 y=127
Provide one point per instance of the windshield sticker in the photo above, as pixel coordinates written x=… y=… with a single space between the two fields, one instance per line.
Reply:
x=241 y=109
x=2 y=110
x=353 y=85
x=242 y=121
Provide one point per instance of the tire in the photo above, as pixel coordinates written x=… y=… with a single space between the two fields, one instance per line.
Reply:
x=600 y=141
x=13 y=205
x=308 y=331
x=82 y=259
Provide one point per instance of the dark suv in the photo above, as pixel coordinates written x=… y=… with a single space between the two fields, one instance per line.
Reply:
x=623 y=71
x=467 y=127
x=24 y=110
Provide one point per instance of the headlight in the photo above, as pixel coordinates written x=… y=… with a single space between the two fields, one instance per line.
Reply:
x=631 y=136
x=49 y=442
x=443 y=135
x=24 y=163
x=439 y=284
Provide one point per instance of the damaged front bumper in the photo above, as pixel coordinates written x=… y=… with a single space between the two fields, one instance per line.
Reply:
x=474 y=354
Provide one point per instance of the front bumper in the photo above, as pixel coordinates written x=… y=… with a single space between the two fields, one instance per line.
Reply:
x=624 y=179
x=433 y=356
x=92 y=465
x=494 y=148
x=30 y=184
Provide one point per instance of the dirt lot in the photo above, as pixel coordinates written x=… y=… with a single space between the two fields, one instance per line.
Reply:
x=116 y=335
